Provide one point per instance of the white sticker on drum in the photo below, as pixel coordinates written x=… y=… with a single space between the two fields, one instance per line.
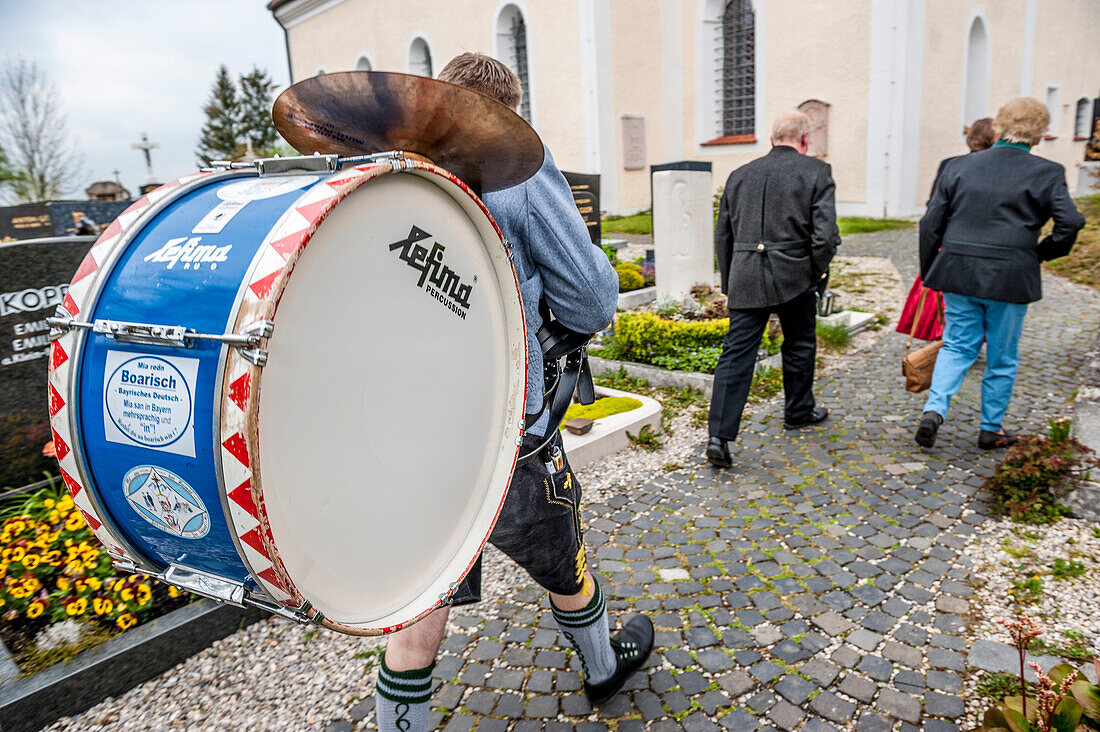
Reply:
x=219 y=216
x=166 y=501
x=149 y=401
x=256 y=189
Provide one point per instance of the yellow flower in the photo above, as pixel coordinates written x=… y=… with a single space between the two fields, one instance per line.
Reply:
x=55 y=516
x=52 y=557
x=6 y=537
x=81 y=584
x=144 y=594
x=17 y=526
x=77 y=606
x=126 y=620
x=173 y=592
x=49 y=503
x=17 y=553
x=74 y=522
x=62 y=583
x=127 y=594
x=66 y=502
x=94 y=583
x=18 y=593
x=36 y=608
x=31 y=561
x=32 y=584
x=102 y=605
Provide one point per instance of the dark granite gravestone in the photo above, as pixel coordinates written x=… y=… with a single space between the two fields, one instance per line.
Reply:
x=586 y=194
x=55 y=218
x=34 y=276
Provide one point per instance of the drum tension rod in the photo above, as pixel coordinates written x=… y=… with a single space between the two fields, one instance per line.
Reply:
x=175 y=336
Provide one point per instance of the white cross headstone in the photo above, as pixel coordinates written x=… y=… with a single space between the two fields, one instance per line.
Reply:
x=145 y=146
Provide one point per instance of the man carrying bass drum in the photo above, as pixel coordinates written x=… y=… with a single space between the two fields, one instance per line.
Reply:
x=539 y=526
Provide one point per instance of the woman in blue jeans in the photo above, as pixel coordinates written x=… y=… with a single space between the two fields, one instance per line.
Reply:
x=979 y=245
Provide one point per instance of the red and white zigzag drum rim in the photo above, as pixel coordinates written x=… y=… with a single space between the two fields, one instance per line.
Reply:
x=252 y=515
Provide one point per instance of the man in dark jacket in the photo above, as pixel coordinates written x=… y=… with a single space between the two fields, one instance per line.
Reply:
x=979 y=245
x=775 y=236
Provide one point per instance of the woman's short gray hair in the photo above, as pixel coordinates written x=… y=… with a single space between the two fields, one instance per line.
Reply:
x=1022 y=120
x=790 y=126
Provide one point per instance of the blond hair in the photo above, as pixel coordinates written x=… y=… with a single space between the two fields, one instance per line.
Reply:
x=1022 y=120
x=790 y=126
x=484 y=74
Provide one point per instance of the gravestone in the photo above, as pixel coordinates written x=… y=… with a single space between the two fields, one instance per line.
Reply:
x=586 y=194
x=633 y=142
x=55 y=218
x=683 y=228
x=34 y=276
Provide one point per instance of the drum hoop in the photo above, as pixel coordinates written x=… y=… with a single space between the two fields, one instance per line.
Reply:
x=267 y=278
x=63 y=373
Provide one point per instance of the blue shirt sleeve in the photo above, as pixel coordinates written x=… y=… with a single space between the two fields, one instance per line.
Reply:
x=579 y=283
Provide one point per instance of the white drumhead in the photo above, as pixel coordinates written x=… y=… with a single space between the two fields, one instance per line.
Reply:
x=382 y=410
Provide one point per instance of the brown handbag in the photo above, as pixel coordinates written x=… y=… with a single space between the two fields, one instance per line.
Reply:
x=917 y=366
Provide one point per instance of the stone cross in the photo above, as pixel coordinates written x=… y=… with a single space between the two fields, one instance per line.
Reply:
x=145 y=146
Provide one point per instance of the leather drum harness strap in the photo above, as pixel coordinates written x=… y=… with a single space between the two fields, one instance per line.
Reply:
x=565 y=370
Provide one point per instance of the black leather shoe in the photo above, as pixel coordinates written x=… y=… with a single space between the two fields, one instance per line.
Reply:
x=718 y=453
x=926 y=431
x=817 y=416
x=632 y=647
x=996 y=440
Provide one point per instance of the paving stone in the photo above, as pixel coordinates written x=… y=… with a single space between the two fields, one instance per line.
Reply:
x=832 y=707
x=766 y=671
x=692 y=682
x=858 y=687
x=736 y=683
x=865 y=639
x=870 y=722
x=832 y=623
x=786 y=716
x=698 y=722
x=903 y=654
x=942 y=705
x=739 y=720
x=898 y=705
x=714 y=660
x=795 y=688
x=541 y=707
x=821 y=671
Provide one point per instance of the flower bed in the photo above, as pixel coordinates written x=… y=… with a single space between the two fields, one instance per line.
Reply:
x=59 y=592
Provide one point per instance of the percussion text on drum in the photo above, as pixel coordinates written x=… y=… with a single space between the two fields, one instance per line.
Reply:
x=191 y=253
x=448 y=289
x=31 y=299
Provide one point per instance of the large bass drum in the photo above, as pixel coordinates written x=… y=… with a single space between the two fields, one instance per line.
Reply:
x=302 y=391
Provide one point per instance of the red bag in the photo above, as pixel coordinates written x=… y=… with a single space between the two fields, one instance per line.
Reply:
x=929 y=326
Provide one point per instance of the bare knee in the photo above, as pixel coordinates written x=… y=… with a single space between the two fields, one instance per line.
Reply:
x=416 y=646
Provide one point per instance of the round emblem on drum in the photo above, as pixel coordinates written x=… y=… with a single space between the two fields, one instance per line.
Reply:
x=166 y=501
x=148 y=399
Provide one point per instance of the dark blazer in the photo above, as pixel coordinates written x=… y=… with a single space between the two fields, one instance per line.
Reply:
x=776 y=230
x=980 y=233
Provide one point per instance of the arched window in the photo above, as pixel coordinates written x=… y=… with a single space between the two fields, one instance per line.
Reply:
x=511 y=30
x=738 y=70
x=1082 y=118
x=976 y=96
x=363 y=63
x=420 y=57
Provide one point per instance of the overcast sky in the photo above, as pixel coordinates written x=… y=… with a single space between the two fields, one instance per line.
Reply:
x=123 y=67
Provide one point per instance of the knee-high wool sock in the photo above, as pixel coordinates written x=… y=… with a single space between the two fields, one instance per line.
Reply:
x=403 y=702
x=587 y=631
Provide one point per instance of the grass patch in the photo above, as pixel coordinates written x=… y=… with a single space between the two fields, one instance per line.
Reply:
x=639 y=223
x=864 y=225
x=1000 y=684
x=1063 y=570
x=1074 y=649
x=1082 y=265
x=603 y=407
x=833 y=337
x=766 y=383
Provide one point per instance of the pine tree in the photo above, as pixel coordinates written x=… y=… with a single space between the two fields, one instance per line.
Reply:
x=256 y=123
x=221 y=135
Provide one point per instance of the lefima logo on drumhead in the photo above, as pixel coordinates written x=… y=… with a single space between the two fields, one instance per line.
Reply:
x=192 y=253
x=436 y=278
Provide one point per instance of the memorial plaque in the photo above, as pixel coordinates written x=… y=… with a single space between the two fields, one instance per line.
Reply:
x=633 y=142
x=34 y=276
x=818 y=139
x=586 y=194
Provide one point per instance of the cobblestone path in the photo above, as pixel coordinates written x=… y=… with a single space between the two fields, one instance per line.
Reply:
x=820 y=584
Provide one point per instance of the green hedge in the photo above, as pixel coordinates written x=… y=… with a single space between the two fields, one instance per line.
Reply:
x=630 y=277
x=645 y=336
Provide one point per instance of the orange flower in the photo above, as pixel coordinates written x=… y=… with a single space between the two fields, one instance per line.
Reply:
x=48 y=450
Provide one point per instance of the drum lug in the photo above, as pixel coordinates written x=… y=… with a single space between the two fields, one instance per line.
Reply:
x=207 y=585
x=255 y=356
x=303 y=615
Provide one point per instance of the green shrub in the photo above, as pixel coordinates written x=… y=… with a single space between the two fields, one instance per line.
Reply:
x=612 y=254
x=642 y=337
x=1036 y=473
x=630 y=277
x=703 y=360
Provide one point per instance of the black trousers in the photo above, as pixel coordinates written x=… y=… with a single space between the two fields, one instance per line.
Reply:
x=733 y=375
